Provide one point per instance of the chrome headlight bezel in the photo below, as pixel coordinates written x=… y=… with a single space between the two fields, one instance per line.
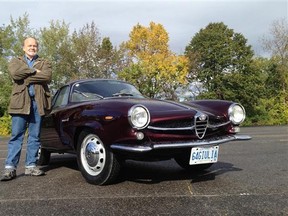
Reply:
x=139 y=116
x=236 y=113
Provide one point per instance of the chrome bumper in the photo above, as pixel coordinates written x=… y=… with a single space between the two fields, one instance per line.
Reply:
x=142 y=149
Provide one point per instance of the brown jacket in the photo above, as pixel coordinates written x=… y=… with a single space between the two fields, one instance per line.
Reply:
x=22 y=76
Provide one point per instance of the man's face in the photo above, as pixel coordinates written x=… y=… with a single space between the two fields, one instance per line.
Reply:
x=30 y=47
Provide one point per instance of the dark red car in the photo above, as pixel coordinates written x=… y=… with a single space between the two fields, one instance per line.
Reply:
x=107 y=121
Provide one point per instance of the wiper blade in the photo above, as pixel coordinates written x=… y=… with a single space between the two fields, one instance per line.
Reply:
x=81 y=93
x=88 y=95
x=122 y=94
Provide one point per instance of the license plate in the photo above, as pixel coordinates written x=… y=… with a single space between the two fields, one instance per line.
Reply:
x=203 y=155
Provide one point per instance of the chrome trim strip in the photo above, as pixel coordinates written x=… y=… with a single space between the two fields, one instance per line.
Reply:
x=188 y=128
x=166 y=129
x=218 y=125
x=129 y=148
x=218 y=141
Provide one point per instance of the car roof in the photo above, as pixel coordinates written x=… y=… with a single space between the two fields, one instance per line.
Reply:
x=93 y=79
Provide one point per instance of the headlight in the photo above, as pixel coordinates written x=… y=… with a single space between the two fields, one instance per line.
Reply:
x=236 y=114
x=139 y=116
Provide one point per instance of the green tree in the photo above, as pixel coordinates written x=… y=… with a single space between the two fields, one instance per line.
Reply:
x=5 y=81
x=86 y=44
x=277 y=44
x=110 y=59
x=95 y=57
x=11 y=43
x=154 y=69
x=20 y=30
x=221 y=60
x=270 y=109
x=55 y=45
x=106 y=56
x=274 y=105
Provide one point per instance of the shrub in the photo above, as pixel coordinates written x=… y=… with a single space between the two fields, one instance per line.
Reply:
x=5 y=125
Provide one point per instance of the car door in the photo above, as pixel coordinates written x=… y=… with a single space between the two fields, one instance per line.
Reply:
x=52 y=134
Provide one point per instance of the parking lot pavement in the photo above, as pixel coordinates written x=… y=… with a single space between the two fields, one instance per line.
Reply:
x=250 y=178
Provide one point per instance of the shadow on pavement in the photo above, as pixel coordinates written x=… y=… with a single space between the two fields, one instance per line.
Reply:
x=65 y=160
x=157 y=172
x=149 y=172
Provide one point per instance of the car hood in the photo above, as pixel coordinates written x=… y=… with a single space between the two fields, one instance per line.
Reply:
x=153 y=104
x=157 y=108
x=163 y=107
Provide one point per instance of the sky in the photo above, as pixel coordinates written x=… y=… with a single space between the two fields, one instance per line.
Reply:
x=182 y=19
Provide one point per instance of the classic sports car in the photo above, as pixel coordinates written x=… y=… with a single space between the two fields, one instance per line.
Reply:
x=105 y=122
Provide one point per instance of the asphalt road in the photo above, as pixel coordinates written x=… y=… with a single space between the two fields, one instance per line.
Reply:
x=251 y=178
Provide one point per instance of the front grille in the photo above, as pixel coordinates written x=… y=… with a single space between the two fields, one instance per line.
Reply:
x=201 y=126
x=174 y=124
x=201 y=123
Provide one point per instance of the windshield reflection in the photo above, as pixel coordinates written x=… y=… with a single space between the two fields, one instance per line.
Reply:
x=99 y=89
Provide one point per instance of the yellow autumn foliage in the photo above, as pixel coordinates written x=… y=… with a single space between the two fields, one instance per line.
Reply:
x=163 y=70
x=5 y=125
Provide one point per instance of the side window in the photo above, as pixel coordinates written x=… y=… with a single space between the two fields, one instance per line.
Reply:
x=62 y=97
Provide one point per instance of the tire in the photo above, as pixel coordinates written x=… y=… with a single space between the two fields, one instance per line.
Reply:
x=43 y=157
x=97 y=164
x=183 y=161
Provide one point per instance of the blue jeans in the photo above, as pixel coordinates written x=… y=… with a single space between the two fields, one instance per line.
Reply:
x=20 y=123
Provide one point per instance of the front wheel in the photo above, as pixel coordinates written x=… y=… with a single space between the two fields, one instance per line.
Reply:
x=97 y=164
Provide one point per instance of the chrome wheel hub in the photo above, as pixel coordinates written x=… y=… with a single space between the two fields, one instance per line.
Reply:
x=93 y=155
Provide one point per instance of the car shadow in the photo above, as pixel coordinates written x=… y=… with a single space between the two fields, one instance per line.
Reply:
x=149 y=172
x=63 y=160
x=156 y=172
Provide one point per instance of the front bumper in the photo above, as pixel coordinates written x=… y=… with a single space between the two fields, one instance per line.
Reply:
x=159 y=146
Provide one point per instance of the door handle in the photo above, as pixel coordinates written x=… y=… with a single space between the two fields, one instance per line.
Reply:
x=65 y=120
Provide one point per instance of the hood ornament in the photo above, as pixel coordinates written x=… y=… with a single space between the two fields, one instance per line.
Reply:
x=202 y=117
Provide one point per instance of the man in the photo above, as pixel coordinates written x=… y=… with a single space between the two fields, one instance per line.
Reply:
x=30 y=100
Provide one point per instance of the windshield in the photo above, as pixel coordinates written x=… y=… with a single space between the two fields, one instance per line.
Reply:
x=99 y=89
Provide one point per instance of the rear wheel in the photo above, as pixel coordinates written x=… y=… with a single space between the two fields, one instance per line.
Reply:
x=183 y=161
x=97 y=164
x=43 y=157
